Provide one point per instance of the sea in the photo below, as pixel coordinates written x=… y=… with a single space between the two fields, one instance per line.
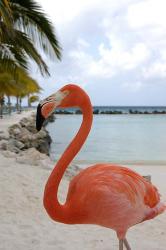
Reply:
x=127 y=138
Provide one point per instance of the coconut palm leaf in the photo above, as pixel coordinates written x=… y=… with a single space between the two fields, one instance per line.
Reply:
x=19 y=47
x=20 y=41
x=7 y=85
x=11 y=58
x=20 y=86
x=25 y=46
x=34 y=98
x=28 y=15
x=5 y=13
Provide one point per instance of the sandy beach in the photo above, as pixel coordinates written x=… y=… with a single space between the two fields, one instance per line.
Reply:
x=24 y=224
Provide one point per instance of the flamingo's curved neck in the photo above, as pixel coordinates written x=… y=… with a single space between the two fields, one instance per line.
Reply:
x=55 y=210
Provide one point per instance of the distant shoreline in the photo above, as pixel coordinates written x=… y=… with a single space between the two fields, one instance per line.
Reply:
x=114 y=110
x=118 y=110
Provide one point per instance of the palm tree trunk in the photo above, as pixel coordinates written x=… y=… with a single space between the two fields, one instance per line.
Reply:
x=9 y=105
x=29 y=103
x=20 y=105
x=17 y=104
x=1 y=106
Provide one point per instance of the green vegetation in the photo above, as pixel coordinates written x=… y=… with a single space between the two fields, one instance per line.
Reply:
x=23 y=24
x=25 y=31
x=19 y=87
x=33 y=98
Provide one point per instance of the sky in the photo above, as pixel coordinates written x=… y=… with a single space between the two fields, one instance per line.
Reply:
x=115 y=50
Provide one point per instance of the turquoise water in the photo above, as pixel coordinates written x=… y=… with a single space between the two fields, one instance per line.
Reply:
x=123 y=139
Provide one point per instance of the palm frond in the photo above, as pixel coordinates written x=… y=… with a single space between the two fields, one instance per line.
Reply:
x=20 y=86
x=20 y=41
x=29 y=16
x=11 y=59
x=20 y=46
x=23 y=43
x=5 y=12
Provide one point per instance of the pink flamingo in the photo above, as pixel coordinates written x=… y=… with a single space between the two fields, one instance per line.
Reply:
x=104 y=194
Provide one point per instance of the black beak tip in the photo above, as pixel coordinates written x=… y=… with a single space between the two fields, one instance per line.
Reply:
x=39 y=118
x=38 y=127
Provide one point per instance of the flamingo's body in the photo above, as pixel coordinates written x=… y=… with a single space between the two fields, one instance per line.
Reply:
x=113 y=197
x=104 y=194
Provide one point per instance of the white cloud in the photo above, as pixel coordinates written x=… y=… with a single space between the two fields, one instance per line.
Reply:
x=119 y=44
x=64 y=11
x=147 y=13
x=115 y=59
x=80 y=60
x=82 y=43
x=112 y=59
x=133 y=86
x=156 y=70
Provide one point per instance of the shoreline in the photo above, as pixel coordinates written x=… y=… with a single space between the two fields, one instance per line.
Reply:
x=25 y=224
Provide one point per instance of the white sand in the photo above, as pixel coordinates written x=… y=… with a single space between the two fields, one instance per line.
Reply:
x=24 y=224
x=8 y=120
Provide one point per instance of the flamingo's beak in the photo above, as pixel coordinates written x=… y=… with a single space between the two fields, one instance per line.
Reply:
x=48 y=105
x=39 y=118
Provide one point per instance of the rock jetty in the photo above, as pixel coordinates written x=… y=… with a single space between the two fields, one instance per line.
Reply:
x=24 y=142
x=28 y=146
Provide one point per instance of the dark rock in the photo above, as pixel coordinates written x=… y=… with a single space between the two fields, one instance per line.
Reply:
x=14 y=130
x=51 y=118
x=16 y=143
x=3 y=145
x=24 y=122
x=96 y=111
x=63 y=112
x=4 y=136
x=12 y=148
x=43 y=146
x=24 y=135
x=110 y=112
x=78 y=112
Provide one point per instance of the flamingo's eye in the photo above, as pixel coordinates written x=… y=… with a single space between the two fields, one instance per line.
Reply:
x=49 y=99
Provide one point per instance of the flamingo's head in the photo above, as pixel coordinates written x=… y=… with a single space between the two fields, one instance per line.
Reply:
x=68 y=96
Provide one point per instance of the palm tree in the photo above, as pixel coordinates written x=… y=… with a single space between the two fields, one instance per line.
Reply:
x=29 y=86
x=19 y=87
x=33 y=98
x=7 y=88
x=26 y=86
x=29 y=26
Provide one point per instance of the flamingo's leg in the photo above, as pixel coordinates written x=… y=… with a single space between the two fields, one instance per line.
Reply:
x=126 y=244
x=120 y=244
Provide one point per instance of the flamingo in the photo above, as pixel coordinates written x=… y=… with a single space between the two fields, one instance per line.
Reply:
x=108 y=195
